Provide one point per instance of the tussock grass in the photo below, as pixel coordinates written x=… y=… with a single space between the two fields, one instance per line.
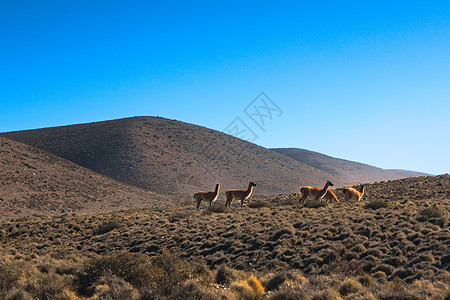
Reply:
x=217 y=208
x=259 y=204
x=377 y=204
x=315 y=204
x=108 y=225
x=250 y=289
x=135 y=269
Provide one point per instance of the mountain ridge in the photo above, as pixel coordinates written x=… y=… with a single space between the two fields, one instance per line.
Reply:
x=173 y=157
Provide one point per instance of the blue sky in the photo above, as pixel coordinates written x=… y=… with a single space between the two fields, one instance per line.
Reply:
x=362 y=80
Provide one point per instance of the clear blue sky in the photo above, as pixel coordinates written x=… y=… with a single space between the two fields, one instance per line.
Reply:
x=367 y=82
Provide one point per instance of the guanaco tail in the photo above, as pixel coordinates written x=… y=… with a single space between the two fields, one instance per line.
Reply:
x=207 y=196
x=318 y=193
x=239 y=194
x=354 y=194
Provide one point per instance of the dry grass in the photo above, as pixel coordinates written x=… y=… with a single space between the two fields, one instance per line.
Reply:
x=339 y=251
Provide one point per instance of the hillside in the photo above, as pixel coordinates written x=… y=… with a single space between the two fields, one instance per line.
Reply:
x=35 y=182
x=394 y=244
x=167 y=156
x=353 y=172
x=173 y=157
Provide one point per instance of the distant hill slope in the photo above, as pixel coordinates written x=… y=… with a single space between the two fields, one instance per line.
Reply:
x=34 y=181
x=353 y=172
x=173 y=157
x=168 y=156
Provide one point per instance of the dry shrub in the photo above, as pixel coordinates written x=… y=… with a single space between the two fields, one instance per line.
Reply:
x=51 y=286
x=108 y=225
x=250 y=289
x=256 y=285
x=133 y=268
x=432 y=212
x=259 y=203
x=350 y=286
x=327 y=294
x=315 y=204
x=291 y=293
x=216 y=208
x=225 y=275
x=112 y=287
x=9 y=275
x=172 y=271
x=191 y=290
x=377 y=204
x=366 y=280
x=285 y=278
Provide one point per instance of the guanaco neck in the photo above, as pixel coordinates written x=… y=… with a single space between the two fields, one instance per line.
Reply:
x=249 y=190
x=361 y=189
x=325 y=188
x=216 y=191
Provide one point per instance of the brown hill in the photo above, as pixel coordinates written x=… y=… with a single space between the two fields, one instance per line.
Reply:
x=168 y=156
x=172 y=157
x=353 y=172
x=36 y=182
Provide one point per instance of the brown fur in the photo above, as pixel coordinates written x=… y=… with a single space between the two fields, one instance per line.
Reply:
x=354 y=194
x=239 y=194
x=312 y=192
x=207 y=196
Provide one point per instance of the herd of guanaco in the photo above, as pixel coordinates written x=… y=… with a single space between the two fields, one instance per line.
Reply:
x=314 y=193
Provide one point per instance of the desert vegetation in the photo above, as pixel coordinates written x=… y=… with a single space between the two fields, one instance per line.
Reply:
x=392 y=245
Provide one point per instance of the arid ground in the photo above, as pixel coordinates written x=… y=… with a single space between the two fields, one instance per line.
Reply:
x=395 y=244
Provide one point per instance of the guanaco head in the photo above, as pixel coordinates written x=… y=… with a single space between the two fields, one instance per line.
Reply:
x=251 y=183
x=329 y=183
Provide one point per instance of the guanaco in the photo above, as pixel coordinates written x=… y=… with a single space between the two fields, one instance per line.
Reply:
x=318 y=193
x=239 y=194
x=354 y=194
x=207 y=196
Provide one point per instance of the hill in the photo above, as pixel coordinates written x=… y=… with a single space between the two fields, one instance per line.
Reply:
x=394 y=244
x=36 y=182
x=173 y=157
x=353 y=172
x=170 y=157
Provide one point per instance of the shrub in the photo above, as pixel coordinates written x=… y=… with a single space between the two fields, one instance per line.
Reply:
x=225 y=275
x=133 y=268
x=250 y=289
x=217 y=208
x=9 y=275
x=328 y=294
x=172 y=271
x=112 y=287
x=191 y=290
x=108 y=225
x=433 y=214
x=259 y=203
x=256 y=285
x=315 y=204
x=349 y=286
x=291 y=293
x=49 y=287
x=376 y=204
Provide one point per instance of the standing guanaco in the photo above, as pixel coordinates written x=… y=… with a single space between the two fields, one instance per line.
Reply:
x=318 y=193
x=239 y=194
x=207 y=196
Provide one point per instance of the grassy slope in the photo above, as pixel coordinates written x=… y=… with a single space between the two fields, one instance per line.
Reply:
x=398 y=241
